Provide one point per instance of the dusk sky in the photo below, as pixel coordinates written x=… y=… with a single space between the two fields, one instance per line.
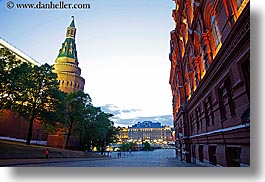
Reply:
x=122 y=48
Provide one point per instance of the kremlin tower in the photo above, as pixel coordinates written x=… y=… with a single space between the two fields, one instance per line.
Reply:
x=69 y=78
x=66 y=64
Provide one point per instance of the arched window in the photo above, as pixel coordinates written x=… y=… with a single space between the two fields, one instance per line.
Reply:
x=215 y=32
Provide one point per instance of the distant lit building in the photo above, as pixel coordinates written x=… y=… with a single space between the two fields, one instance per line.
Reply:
x=149 y=132
x=123 y=135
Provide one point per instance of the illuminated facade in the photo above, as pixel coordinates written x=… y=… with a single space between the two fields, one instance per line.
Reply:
x=123 y=135
x=210 y=81
x=149 y=132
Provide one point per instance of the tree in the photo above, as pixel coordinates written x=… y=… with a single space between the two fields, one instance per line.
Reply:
x=128 y=145
x=105 y=130
x=11 y=74
x=147 y=146
x=76 y=104
x=37 y=95
x=97 y=130
x=89 y=123
x=33 y=92
x=89 y=134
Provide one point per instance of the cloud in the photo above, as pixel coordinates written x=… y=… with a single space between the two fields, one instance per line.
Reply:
x=128 y=117
x=163 y=119
x=115 y=110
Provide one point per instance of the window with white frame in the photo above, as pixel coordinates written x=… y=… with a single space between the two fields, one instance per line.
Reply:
x=215 y=31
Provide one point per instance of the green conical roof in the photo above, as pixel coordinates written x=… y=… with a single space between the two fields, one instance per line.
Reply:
x=72 y=23
x=69 y=47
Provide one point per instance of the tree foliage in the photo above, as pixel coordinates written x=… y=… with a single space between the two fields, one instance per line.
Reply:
x=147 y=146
x=11 y=70
x=76 y=104
x=128 y=146
x=92 y=126
x=29 y=90
x=33 y=93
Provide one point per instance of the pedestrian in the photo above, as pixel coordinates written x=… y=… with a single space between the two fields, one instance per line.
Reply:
x=47 y=153
x=102 y=151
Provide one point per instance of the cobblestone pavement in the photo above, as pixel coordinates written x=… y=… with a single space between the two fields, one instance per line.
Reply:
x=156 y=158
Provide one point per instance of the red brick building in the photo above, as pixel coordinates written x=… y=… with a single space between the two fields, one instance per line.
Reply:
x=210 y=81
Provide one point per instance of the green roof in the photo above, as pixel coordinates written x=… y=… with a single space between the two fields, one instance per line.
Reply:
x=68 y=49
x=72 y=23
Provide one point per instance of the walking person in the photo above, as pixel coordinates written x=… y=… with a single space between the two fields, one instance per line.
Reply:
x=119 y=154
x=47 y=153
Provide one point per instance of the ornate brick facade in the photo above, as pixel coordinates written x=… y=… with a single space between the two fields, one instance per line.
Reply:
x=209 y=78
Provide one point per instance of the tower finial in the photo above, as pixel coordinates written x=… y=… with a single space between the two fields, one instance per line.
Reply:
x=73 y=22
